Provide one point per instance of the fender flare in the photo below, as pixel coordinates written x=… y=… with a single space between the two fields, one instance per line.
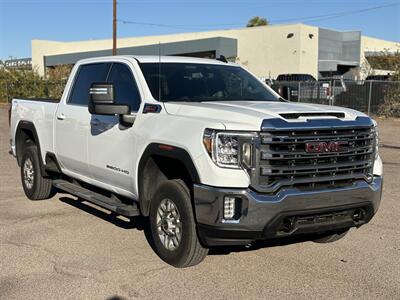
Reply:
x=168 y=151
x=29 y=126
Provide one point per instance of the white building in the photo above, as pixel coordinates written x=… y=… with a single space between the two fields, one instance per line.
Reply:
x=266 y=50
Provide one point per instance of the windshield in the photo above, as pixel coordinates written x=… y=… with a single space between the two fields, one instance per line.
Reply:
x=191 y=82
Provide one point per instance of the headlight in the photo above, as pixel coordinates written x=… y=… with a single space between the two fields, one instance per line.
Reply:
x=229 y=149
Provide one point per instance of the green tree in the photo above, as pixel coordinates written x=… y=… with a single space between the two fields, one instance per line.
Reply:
x=386 y=61
x=257 y=21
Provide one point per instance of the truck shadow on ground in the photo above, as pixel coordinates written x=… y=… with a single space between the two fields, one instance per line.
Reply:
x=125 y=223
x=141 y=224
x=224 y=250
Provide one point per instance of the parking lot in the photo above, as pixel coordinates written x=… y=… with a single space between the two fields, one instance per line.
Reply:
x=62 y=248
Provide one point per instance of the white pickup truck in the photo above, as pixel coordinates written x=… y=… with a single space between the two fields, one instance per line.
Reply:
x=210 y=154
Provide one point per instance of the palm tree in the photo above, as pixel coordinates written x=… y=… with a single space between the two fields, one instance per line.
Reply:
x=257 y=21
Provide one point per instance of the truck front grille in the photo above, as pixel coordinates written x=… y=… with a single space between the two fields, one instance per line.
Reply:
x=282 y=159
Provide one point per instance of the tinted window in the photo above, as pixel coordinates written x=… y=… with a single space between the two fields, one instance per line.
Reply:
x=125 y=89
x=295 y=77
x=191 y=82
x=87 y=75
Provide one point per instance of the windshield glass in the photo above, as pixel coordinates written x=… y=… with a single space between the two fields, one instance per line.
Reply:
x=191 y=82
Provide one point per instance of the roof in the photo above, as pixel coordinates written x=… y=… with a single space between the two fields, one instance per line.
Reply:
x=162 y=59
x=176 y=59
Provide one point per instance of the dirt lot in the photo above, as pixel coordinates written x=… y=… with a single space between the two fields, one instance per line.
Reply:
x=62 y=248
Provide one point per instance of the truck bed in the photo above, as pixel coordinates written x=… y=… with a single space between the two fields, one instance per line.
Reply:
x=41 y=113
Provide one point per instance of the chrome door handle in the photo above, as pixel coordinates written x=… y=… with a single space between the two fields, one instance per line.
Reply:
x=61 y=117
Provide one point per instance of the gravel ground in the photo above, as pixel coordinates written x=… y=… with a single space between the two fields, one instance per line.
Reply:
x=62 y=248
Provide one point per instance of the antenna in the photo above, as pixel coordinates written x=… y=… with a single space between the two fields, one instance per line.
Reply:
x=159 y=72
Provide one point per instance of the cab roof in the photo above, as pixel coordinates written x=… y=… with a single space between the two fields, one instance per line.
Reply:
x=163 y=59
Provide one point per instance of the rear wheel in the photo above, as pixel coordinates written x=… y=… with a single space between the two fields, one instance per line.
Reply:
x=36 y=187
x=330 y=238
x=172 y=225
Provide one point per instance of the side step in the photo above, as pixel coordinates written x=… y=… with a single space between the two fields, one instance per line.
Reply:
x=112 y=204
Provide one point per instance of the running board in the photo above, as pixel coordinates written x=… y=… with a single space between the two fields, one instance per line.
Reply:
x=112 y=204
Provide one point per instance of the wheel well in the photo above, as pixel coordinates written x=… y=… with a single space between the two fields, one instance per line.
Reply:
x=156 y=169
x=26 y=136
x=23 y=139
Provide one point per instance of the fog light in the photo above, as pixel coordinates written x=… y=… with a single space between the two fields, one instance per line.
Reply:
x=229 y=207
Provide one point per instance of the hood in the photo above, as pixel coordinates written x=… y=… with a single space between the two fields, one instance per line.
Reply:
x=248 y=115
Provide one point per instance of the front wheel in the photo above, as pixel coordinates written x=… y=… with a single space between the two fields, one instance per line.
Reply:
x=172 y=225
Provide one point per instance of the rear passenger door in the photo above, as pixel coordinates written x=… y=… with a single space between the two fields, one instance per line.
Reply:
x=111 y=145
x=72 y=122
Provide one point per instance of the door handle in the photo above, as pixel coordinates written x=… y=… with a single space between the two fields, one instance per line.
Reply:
x=61 y=117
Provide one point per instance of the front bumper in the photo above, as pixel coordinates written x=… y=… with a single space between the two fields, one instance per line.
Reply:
x=291 y=211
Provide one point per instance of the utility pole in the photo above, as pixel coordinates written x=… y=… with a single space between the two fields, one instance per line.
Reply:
x=114 y=49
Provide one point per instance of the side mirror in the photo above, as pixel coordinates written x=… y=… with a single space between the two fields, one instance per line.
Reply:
x=102 y=101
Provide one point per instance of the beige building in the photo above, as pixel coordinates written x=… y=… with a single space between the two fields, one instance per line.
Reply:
x=266 y=50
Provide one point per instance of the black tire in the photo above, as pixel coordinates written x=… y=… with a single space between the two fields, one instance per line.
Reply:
x=36 y=187
x=189 y=251
x=332 y=237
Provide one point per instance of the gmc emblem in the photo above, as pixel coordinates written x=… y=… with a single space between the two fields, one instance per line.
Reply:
x=321 y=147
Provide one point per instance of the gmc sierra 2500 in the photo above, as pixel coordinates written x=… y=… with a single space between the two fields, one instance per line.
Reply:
x=206 y=151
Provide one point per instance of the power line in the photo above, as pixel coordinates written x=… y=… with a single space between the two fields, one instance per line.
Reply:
x=177 y=25
x=299 y=19
x=339 y=14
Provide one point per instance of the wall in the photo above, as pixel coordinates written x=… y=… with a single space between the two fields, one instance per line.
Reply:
x=369 y=44
x=207 y=46
x=338 y=48
x=308 y=50
x=266 y=50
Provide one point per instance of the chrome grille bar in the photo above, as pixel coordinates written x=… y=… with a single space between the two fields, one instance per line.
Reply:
x=282 y=160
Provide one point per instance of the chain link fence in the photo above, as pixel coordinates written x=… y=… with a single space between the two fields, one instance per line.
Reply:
x=370 y=97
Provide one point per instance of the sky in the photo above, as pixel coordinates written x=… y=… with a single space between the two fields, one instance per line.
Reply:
x=72 y=20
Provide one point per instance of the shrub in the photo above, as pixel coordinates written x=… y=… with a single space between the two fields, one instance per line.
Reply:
x=391 y=106
x=28 y=84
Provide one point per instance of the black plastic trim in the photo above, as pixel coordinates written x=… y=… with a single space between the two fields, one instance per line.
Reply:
x=169 y=151
x=26 y=125
x=108 y=109
x=271 y=229
x=52 y=163
x=293 y=116
x=214 y=235
x=277 y=124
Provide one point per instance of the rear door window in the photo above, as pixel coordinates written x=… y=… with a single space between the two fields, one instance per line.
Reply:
x=87 y=75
